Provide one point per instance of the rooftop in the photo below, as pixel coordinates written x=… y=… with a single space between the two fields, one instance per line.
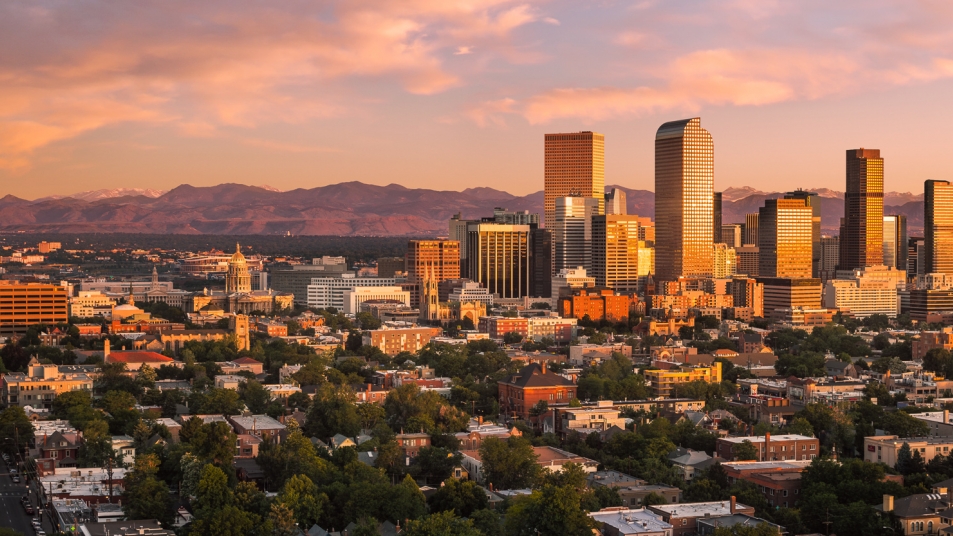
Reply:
x=257 y=422
x=699 y=509
x=627 y=521
x=760 y=439
x=766 y=466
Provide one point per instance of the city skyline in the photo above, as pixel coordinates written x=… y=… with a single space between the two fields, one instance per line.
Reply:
x=463 y=93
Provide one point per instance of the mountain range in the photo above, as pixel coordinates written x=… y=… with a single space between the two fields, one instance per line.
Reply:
x=344 y=209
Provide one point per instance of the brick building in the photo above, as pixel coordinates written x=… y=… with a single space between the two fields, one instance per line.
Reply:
x=598 y=304
x=395 y=341
x=532 y=384
x=498 y=326
x=777 y=448
x=683 y=516
x=779 y=482
x=410 y=444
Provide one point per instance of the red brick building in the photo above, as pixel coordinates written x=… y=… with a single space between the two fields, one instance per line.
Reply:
x=779 y=482
x=497 y=326
x=62 y=448
x=532 y=384
x=598 y=304
x=410 y=444
x=777 y=448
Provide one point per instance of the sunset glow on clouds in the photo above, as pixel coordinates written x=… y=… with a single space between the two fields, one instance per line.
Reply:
x=309 y=88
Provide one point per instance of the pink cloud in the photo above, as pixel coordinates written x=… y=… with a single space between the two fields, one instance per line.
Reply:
x=199 y=66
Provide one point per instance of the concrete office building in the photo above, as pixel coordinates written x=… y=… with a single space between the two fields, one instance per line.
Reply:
x=572 y=232
x=684 y=200
x=787 y=293
x=25 y=304
x=574 y=165
x=324 y=292
x=438 y=259
x=615 y=252
x=731 y=235
x=938 y=227
x=784 y=239
x=749 y=260
x=861 y=233
x=724 y=261
x=895 y=241
x=296 y=279
x=830 y=257
x=716 y=217
x=353 y=298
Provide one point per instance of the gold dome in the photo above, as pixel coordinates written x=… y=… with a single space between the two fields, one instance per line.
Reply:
x=237 y=258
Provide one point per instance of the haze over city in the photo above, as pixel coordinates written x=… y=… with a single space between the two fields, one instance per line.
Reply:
x=434 y=95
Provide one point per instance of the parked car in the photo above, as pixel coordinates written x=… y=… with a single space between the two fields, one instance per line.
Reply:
x=16 y=479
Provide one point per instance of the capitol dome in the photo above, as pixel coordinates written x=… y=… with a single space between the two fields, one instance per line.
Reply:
x=237 y=258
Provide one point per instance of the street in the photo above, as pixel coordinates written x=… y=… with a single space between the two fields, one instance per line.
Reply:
x=12 y=514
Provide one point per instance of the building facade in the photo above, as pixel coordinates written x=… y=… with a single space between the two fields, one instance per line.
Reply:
x=861 y=234
x=937 y=227
x=684 y=200
x=784 y=239
x=498 y=257
x=895 y=241
x=615 y=252
x=573 y=164
x=26 y=304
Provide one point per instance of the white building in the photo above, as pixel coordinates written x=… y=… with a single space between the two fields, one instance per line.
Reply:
x=353 y=298
x=471 y=291
x=324 y=292
x=570 y=278
x=870 y=291
x=90 y=303
x=725 y=260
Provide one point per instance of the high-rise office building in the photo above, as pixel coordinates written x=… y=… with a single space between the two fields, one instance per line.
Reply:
x=26 y=304
x=572 y=232
x=938 y=227
x=615 y=202
x=750 y=235
x=725 y=261
x=895 y=241
x=434 y=259
x=812 y=200
x=574 y=165
x=615 y=252
x=498 y=257
x=830 y=257
x=458 y=232
x=915 y=252
x=684 y=200
x=541 y=263
x=861 y=233
x=784 y=238
x=731 y=235
x=716 y=218
x=749 y=260
x=747 y=292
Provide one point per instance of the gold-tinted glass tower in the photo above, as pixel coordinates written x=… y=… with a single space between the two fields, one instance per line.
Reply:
x=574 y=165
x=861 y=233
x=684 y=200
x=938 y=227
x=784 y=239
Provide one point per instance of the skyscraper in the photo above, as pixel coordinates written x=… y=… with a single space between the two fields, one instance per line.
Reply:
x=615 y=202
x=895 y=241
x=498 y=257
x=938 y=227
x=784 y=239
x=716 y=217
x=572 y=232
x=541 y=262
x=574 y=165
x=615 y=252
x=725 y=261
x=684 y=200
x=731 y=235
x=437 y=259
x=812 y=200
x=750 y=235
x=861 y=234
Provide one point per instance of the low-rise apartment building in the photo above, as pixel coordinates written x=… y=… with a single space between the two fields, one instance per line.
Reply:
x=884 y=449
x=664 y=383
x=40 y=385
x=393 y=341
x=779 y=482
x=684 y=516
x=781 y=447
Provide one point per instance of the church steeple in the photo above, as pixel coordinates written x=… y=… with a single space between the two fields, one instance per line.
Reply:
x=155 y=279
x=131 y=300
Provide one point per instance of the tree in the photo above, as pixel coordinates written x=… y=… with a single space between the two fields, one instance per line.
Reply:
x=549 y=511
x=652 y=499
x=745 y=451
x=800 y=426
x=282 y=520
x=441 y=524
x=301 y=496
x=539 y=408
x=510 y=463
x=145 y=496
x=434 y=464
x=332 y=412
x=461 y=497
x=17 y=428
x=512 y=337
x=255 y=396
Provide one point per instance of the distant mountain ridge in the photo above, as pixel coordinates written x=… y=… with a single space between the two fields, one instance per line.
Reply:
x=343 y=209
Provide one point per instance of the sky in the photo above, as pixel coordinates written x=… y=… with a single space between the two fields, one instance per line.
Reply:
x=453 y=95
